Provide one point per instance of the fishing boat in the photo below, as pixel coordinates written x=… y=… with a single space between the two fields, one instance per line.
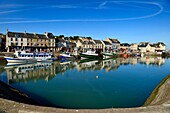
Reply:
x=67 y=56
x=23 y=56
x=90 y=55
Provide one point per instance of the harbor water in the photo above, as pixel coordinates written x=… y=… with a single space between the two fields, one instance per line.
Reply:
x=97 y=84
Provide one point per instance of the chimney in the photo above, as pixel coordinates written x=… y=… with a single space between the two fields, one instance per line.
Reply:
x=7 y=30
x=46 y=34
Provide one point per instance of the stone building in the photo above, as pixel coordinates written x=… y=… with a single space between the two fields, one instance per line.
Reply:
x=98 y=45
x=115 y=43
x=29 y=41
x=107 y=46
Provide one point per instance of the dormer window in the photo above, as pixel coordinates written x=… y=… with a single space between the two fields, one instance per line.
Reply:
x=16 y=35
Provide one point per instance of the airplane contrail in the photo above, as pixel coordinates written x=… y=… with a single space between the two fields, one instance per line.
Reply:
x=160 y=10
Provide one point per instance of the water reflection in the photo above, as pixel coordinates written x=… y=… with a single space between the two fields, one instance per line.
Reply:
x=29 y=72
x=47 y=71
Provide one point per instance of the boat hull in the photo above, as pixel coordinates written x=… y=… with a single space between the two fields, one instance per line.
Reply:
x=67 y=58
x=18 y=60
x=90 y=56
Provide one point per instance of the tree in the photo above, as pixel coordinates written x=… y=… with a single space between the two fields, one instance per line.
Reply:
x=88 y=37
x=70 y=37
x=76 y=37
x=60 y=36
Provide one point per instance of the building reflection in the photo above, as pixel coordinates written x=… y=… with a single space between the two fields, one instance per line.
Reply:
x=47 y=71
x=30 y=72
x=158 y=61
x=114 y=64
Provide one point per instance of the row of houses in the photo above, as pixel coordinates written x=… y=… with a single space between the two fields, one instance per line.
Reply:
x=48 y=42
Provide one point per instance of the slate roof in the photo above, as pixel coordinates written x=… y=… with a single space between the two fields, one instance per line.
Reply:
x=50 y=35
x=41 y=36
x=61 y=40
x=125 y=44
x=142 y=45
x=90 y=42
x=107 y=43
x=87 y=42
x=30 y=35
x=161 y=43
x=114 y=40
x=26 y=35
x=97 y=41
x=152 y=45
x=15 y=34
x=158 y=44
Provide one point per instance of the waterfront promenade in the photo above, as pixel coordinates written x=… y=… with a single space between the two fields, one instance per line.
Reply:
x=158 y=102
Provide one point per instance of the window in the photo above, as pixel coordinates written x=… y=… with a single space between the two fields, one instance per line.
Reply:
x=11 y=39
x=21 y=39
x=16 y=39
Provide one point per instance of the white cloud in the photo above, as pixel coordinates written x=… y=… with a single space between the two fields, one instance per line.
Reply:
x=160 y=10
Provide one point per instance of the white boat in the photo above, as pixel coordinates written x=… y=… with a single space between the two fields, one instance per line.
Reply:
x=67 y=56
x=19 y=60
x=26 y=57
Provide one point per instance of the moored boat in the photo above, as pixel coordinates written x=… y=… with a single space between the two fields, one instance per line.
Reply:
x=19 y=60
x=91 y=55
x=23 y=56
x=67 y=56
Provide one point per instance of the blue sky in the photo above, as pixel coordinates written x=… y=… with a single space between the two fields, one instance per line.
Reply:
x=129 y=21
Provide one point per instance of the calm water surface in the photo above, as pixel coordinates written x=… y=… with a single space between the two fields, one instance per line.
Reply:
x=97 y=84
